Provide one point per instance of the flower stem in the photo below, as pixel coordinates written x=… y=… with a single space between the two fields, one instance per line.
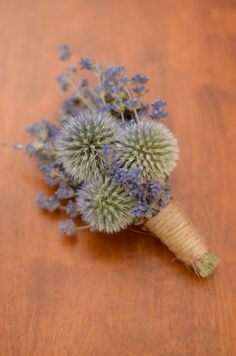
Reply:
x=80 y=96
x=134 y=110
x=82 y=227
x=122 y=116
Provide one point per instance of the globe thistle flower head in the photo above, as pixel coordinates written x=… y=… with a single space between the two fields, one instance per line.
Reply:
x=105 y=205
x=149 y=146
x=80 y=141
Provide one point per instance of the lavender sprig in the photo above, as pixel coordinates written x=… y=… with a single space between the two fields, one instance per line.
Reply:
x=115 y=92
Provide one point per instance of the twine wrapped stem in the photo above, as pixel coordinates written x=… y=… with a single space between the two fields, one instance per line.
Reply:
x=173 y=227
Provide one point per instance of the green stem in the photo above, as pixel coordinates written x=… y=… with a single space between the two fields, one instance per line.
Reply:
x=100 y=82
x=122 y=116
x=82 y=227
x=134 y=110
x=80 y=96
x=90 y=107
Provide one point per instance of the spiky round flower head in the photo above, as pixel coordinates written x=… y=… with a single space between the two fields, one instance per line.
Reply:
x=105 y=206
x=80 y=141
x=150 y=146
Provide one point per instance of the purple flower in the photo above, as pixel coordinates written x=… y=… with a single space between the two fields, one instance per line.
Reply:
x=113 y=72
x=150 y=196
x=50 y=181
x=71 y=106
x=155 y=187
x=41 y=200
x=144 y=106
x=131 y=103
x=143 y=109
x=71 y=209
x=64 y=192
x=140 y=90
x=118 y=70
x=33 y=149
x=114 y=76
x=64 y=119
x=116 y=91
x=84 y=83
x=139 y=79
x=106 y=108
x=65 y=52
x=87 y=63
x=157 y=104
x=42 y=129
x=52 y=173
x=67 y=227
x=106 y=149
x=108 y=157
x=64 y=80
x=157 y=109
x=50 y=204
x=97 y=101
x=158 y=114
x=53 y=204
x=18 y=146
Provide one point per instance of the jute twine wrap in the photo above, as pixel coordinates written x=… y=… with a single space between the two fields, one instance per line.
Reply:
x=177 y=232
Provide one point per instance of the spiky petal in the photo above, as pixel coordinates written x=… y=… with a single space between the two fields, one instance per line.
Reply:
x=80 y=141
x=150 y=146
x=105 y=206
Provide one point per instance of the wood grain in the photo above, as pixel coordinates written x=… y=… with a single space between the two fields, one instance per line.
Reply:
x=119 y=295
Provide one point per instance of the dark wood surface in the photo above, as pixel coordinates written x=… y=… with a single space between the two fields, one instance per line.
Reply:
x=119 y=295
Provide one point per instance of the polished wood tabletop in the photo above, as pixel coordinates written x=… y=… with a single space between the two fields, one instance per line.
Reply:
x=98 y=295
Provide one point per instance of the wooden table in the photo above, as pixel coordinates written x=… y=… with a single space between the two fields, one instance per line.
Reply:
x=124 y=294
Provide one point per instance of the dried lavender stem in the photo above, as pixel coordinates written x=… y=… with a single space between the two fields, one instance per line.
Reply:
x=134 y=110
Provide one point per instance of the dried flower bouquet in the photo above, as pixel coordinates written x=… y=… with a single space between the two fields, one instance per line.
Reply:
x=110 y=158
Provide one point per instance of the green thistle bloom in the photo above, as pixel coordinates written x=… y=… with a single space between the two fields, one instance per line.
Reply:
x=80 y=141
x=150 y=146
x=105 y=206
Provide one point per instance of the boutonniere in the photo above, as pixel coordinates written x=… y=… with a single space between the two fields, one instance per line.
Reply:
x=109 y=160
